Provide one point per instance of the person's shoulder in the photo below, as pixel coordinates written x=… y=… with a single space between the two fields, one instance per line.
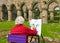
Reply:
x=26 y=27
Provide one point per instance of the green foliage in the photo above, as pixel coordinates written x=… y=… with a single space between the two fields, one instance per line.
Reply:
x=35 y=10
x=48 y=15
x=57 y=15
x=36 y=13
x=56 y=12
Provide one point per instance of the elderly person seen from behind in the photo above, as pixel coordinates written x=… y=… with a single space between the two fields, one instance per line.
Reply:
x=20 y=29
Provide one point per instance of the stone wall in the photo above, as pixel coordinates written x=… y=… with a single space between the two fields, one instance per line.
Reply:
x=42 y=5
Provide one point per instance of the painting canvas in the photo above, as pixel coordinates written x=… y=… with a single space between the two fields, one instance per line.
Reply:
x=37 y=23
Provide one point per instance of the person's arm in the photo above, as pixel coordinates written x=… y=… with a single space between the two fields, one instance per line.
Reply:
x=31 y=32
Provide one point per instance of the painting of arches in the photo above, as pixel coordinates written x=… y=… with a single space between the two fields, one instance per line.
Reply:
x=57 y=13
x=5 y=12
x=13 y=11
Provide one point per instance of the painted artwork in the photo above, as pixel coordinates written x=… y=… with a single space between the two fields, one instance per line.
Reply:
x=37 y=23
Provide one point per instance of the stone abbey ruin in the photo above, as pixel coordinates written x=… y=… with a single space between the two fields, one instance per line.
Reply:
x=43 y=9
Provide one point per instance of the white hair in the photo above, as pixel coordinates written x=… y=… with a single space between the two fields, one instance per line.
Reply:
x=19 y=20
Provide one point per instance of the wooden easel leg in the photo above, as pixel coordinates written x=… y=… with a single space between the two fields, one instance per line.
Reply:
x=42 y=38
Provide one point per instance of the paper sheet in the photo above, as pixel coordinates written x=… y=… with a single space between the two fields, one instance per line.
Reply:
x=38 y=24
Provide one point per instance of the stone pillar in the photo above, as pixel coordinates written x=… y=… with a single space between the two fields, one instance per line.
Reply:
x=18 y=13
x=25 y=15
x=30 y=12
x=40 y=9
x=44 y=16
x=24 y=10
x=51 y=16
x=43 y=12
x=18 y=10
x=1 y=13
x=9 y=13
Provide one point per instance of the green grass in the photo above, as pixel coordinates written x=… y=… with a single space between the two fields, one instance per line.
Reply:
x=7 y=25
x=51 y=30
x=48 y=30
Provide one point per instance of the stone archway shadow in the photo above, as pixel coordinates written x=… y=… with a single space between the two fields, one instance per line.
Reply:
x=13 y=11
x=5 y=12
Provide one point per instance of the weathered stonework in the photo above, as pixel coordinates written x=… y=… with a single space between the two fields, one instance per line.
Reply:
x=42 y=5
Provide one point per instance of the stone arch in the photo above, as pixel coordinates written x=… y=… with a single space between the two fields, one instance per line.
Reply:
x=56 y=13
x=21 y=8
x=5 y=12
x=56 y=8
x=36 y=10
x=51 y=10
x=52 y=6
x=13 y=11
x=25 y=10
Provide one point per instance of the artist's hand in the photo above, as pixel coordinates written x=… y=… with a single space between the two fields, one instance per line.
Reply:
x=33 y=26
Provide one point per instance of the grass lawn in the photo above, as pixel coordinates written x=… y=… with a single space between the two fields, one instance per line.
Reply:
x=48 y=30
x=7 y=25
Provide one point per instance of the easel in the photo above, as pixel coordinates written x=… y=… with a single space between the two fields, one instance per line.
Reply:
x=42 y=38
x=40 y=21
